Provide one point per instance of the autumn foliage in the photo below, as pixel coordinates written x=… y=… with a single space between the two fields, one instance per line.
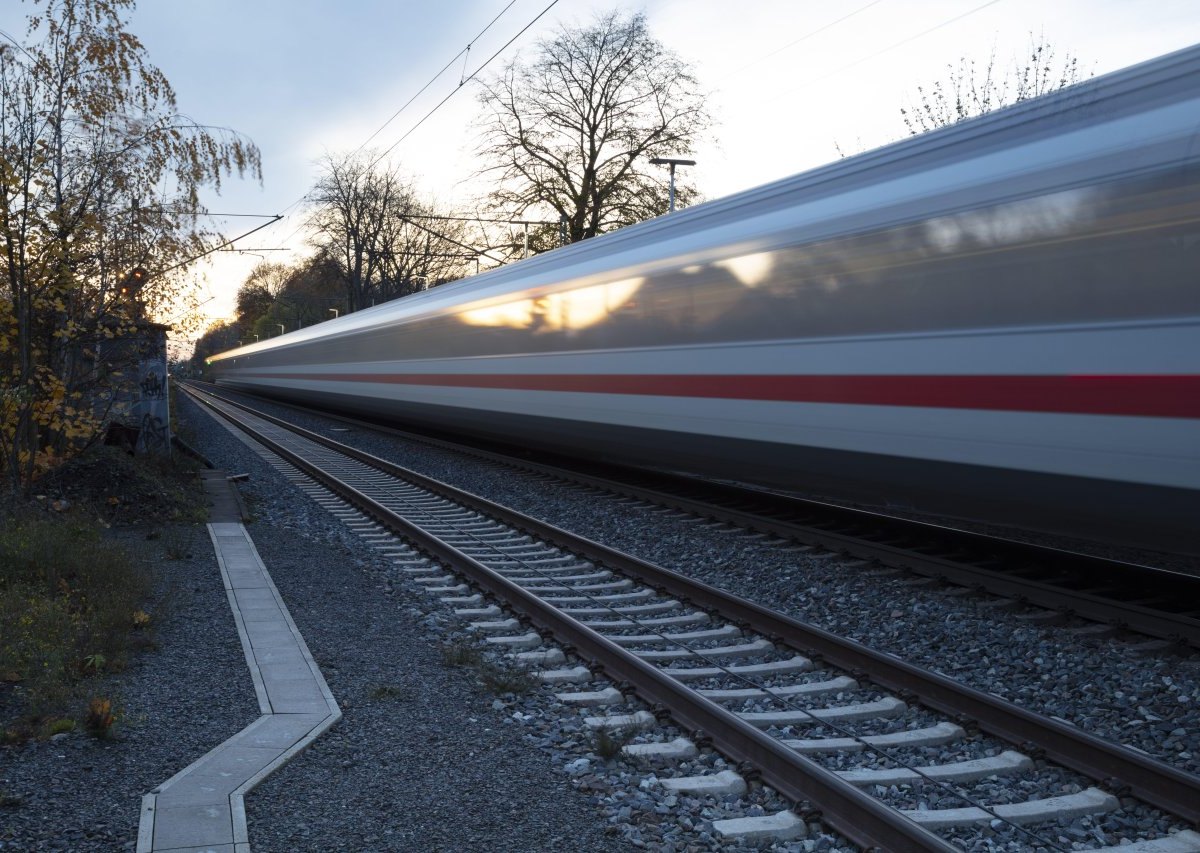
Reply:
x=99 y=175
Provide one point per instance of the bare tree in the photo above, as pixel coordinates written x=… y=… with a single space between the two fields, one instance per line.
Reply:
x=422 y=250
x=970 y=91
x=572 y=129
x=350 y=208
x=368 y=221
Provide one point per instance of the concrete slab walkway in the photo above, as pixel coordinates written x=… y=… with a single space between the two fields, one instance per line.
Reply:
x=201 y=808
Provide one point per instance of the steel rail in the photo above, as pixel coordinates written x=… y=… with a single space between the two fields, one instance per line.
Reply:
x=1174 y=627
x=857 y=815
x=1118 y=766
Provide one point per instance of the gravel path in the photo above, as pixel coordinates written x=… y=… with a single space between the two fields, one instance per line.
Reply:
x=178 y=701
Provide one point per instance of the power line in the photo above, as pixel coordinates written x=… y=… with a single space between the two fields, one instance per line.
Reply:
x=892 y=47
x=217 y=248
x=463 y=82
x=802 y=38
x=480 y=219
x=465 y=52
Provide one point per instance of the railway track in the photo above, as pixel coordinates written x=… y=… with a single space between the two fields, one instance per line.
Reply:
x=750 y=680
x=1122 y=596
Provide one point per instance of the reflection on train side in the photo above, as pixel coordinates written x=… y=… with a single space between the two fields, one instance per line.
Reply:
x=1040 y=218
x=569 y=310
x=1065 y=257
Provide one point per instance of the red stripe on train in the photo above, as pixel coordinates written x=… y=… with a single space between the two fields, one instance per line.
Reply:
x=1164 y=396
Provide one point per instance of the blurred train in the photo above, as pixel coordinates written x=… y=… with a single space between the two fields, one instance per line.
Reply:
x=999 y=320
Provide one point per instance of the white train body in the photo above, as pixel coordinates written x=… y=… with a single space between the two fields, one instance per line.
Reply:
x=998 y=320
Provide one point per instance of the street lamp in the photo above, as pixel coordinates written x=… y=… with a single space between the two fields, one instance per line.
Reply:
x=281 y=329
x=672 y=162
x=334 y=312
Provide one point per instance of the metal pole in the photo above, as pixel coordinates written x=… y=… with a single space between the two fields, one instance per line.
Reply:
x=672 y=163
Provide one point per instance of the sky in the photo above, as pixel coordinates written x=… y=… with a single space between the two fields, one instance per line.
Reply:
x=792 y=83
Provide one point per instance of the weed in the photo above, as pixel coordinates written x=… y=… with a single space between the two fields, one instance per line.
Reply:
x=100 y=719
x=460 y=654
x=177 y=543
x=58 y=727
x=10 y=801
x=66 y=599
x=386 y=691
x=500 y=679
x=608 y=743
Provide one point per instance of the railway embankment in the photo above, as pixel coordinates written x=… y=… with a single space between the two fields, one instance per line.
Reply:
x=425 y=756
x=185 y=689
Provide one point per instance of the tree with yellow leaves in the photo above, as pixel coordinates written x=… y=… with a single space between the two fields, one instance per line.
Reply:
x=99 y=174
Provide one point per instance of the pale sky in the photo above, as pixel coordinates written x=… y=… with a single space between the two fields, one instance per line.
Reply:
x=788 y=84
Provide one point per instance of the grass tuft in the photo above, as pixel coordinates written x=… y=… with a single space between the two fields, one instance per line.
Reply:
x=58 y=727
x=608 y=743
x=501 y=679
x=381 y=692
x=100 y=719
x=460 y=653
x=177 y=543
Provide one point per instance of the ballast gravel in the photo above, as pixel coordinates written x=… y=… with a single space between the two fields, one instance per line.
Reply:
x=1086 y=682
x=1106 y=687
x=174 y=703
x=420 y=759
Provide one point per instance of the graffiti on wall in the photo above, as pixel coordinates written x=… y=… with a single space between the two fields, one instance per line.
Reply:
x=151 y=412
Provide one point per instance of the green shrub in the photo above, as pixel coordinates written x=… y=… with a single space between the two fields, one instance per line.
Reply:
x=69 y=602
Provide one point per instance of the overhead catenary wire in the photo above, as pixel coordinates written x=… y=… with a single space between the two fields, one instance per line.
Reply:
x=466 y=80
x=218 y=247
x=464 y=53
x=463 y=80
x=892 y=46
x=802 y=38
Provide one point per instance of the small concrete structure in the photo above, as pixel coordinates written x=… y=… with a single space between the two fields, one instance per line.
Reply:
x=636 y=721
x=672 y=750
x=1089 y=802
x=1186 y=841
x=781 y=826
x=1006 y=763
x=723 y=784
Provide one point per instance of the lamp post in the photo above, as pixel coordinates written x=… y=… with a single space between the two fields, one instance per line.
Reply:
x=672 y=162
x=334 y=312
x=281 y=329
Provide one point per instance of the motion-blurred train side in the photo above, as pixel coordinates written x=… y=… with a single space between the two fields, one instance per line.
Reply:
x=999 y=320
